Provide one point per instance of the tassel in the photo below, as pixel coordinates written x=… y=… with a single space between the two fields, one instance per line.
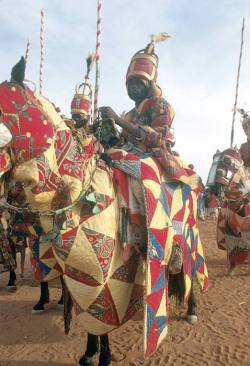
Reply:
x=244 y=114
x=90 y=61
x=159 y=37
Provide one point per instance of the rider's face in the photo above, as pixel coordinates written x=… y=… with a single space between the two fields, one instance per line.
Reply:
x=137 y=90
x=80 y=120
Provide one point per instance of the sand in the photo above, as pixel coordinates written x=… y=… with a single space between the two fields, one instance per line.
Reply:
x=220 y=338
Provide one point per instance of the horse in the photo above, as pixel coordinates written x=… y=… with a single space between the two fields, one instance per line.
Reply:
x=229 y=180
x=75 y=197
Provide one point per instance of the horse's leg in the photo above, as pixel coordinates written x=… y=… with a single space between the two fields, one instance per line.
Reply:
x=232 y=266
x=44 y=298
x=191 y=313
x=231 y=271
x=12 y=277
x=92 y=349
x=22 y=262
x=12 y=280
x=105 y=354
x=60 y=302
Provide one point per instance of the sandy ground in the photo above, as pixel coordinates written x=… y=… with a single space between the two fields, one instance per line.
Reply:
x=221 y=336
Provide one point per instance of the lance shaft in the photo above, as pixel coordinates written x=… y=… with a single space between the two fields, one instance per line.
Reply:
x=97 y=58
x=237 y=82
x=42 y=52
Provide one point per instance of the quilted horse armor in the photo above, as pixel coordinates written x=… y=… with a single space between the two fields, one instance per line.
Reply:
x=231 y=182
x=74 y=196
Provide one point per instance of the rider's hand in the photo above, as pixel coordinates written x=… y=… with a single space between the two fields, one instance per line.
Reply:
x=108 y=112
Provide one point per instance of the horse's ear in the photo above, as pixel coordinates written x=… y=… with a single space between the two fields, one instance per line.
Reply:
x=18 y=71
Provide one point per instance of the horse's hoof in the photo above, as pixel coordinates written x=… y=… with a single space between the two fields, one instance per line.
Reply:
x=35 y=312
x=11 y=288
x=85 y=361
x=231 y=273
x=38 y=308
x=192 y=319
x=105 y=359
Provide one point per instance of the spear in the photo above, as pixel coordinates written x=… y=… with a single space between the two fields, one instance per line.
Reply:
x=237 y=82
x=41 y=52
x=26 y=54
x=97 y=58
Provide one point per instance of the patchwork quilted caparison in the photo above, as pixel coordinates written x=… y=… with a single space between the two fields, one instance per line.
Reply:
x=85 y=238
x=171 y=209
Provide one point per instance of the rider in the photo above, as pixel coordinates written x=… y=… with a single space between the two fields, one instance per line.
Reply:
x=80 y=113
x=147 y=126
x=146 y=132
x=245 y=147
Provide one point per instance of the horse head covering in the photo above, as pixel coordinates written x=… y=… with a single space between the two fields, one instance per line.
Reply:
x=19 y=108
x=144 y=63
x=245 y=147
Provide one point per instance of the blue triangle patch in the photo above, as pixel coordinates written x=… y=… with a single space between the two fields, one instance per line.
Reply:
x=160 y=283
x=162 y=322
x=150 y=319
x=155 y=249
x=185 y=192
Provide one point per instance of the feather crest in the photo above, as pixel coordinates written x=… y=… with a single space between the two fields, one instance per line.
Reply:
x=159 y=37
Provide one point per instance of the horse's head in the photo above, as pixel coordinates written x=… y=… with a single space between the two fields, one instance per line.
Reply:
x=227 y=177
x=26 y=130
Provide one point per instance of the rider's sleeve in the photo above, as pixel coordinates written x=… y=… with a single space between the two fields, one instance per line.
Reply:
x=160 y=115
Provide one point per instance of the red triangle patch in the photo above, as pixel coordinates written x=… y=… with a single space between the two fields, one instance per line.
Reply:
x=147 y=172
x=161 y=236
x=103 y=308
x=155 y=271
x=151 y=204
x=152 y=339
x=58 y=268
x=154 y=299
x=48 y=254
